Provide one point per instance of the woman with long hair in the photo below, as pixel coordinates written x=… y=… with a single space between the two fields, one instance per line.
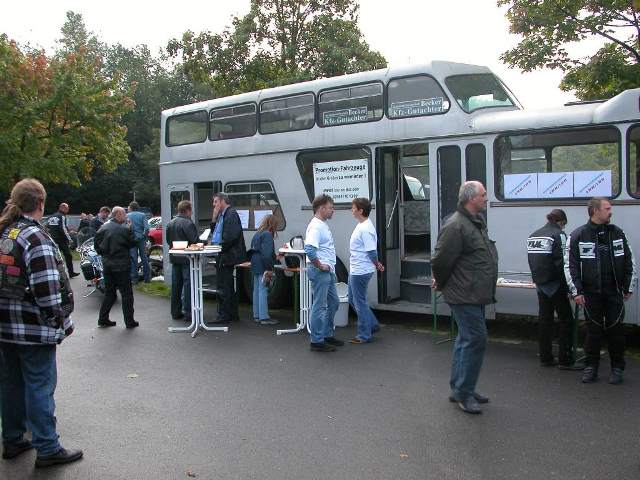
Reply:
x=263 y=258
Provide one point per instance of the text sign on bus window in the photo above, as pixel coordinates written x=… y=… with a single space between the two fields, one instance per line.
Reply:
x=420 y=106
x=343 y=180
x=347 y=115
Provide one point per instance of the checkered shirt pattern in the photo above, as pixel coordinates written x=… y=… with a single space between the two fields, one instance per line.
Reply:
x=37 y=319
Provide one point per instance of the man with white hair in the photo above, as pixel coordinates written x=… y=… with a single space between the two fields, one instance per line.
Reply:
x=465 y=269
x=114 y=241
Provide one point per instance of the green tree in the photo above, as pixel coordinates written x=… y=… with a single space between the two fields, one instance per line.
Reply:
x=550 y=27
x=276 y=43
x=60 y=117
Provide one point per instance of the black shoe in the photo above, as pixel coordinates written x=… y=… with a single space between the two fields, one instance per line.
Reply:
x=107 y=323
x=334 y=341
x=177 y=317
x=478 y=396
x=570 y=366
x=321 y=347
x=73 y=274
x=469 y=405
x=616 y=376
x=133 y=324
x=549 y=363
x=62 y=456
x=12 y=451
x=590 y=375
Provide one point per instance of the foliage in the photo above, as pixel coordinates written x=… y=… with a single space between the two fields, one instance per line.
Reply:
x=154 y=87
x=278 y=42
x=551 y=27
x=59 y=116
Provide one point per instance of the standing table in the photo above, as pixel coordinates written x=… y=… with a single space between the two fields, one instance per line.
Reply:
x=304 y=289
x=197 y=307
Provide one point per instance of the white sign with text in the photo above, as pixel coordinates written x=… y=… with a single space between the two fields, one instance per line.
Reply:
x=521 y=185
x=555 y=185
x=343 y=180
x=592 y=183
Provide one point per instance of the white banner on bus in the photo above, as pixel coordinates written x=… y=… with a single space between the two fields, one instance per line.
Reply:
x=343 y=180
x=592 y=183
x=521 y=185
x=555 y=185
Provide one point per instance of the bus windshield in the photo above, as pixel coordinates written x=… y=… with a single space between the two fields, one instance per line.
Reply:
x=480 y=90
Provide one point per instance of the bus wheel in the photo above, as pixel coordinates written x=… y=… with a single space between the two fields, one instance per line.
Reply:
x=280 y=292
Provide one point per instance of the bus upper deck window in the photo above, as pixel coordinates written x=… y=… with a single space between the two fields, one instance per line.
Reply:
x=478 y=90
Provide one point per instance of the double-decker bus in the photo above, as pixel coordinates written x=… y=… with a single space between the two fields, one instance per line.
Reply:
x=406 y=138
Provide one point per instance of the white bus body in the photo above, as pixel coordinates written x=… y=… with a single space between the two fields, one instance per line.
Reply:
x=411 y=135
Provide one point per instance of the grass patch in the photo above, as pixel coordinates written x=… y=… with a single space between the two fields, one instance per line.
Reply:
x=159 y=289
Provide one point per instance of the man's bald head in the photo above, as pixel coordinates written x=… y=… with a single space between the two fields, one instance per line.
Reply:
x=119 y=214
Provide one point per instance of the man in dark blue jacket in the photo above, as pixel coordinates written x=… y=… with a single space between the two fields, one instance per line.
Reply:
x=181 y=229
x=226 y=231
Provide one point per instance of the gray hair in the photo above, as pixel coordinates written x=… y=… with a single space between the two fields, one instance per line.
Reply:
x=468 y=191
x=222 y=196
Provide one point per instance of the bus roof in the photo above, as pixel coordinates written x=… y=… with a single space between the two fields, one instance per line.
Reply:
x=436 y=68
x=623 y=107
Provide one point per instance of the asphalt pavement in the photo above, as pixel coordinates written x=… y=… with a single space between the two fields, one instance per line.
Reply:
x=247 y=404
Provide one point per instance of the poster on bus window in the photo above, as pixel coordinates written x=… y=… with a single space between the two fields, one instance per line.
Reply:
x=555 y=185
x=592 y=183
x=521 y=185
x=343 y=180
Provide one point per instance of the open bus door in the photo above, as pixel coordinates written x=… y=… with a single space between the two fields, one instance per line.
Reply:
x=388 y=225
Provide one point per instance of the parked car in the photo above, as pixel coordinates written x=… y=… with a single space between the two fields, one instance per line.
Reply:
x=155 y=230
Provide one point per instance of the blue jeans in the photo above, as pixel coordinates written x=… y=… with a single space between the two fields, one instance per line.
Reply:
x=28 y=380
x=134 y=252
x=180 y=290
x=325 y=304
x=260 y=304
x=367 y=321
x=468 y=350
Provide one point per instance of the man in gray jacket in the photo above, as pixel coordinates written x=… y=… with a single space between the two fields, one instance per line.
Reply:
x=465 y=269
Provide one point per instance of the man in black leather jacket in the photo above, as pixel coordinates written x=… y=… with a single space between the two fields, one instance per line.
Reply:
x=181 y=228
x=59 y=231
x=113 y=242
x=226 y=231
x=600 y=273
x=545 y=252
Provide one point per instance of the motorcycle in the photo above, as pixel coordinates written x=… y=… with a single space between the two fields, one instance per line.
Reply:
x=91 y=266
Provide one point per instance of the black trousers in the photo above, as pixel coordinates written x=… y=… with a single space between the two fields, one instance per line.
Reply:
x=558 y=303
x=117 y=280
x=604 y=314
x=63 y=245
x=227 y=299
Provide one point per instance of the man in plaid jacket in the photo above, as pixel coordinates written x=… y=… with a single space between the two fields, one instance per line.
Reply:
x=35 y=304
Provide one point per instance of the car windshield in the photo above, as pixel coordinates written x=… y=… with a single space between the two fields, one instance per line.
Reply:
x=475 y=91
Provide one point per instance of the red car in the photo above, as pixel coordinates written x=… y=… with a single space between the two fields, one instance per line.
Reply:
x=155 y=230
